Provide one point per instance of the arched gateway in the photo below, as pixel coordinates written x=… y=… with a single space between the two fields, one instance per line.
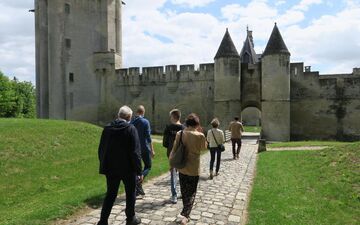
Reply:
x=79 y=77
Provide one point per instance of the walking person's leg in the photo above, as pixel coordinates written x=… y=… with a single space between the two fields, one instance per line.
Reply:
x=130 y=184
x=238 y=147
x=173 y=181
x=218 y=161
x=188 y=186
x=146 y=157
x=112 y=184
x=212 y=160
x=233 y=142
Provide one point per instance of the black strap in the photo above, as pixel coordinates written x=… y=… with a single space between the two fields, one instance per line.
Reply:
x=181 y=132
x=214 y=138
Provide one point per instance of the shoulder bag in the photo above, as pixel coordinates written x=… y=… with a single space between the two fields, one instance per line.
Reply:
x=220 y=146
x=177 y=157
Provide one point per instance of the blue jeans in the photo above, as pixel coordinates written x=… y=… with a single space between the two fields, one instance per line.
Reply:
x=215 y=151
x=146 y=157
x=173 y=181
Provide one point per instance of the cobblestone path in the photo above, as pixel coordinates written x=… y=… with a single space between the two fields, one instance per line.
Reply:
x=222 y=200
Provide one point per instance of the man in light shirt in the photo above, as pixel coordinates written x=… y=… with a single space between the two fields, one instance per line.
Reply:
x=236 y=128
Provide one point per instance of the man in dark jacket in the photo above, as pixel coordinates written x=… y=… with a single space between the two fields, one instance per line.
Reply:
x=120 y=160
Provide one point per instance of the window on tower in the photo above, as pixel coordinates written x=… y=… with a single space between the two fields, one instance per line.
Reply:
x=71 y=77
x=67 y=8
x=68 y=43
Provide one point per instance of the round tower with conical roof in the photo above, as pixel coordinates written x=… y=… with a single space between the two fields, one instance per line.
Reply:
x=227 y=80
x=275 y=86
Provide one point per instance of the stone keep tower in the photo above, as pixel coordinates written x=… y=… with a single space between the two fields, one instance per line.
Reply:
x=227 y=102
x=78 y=42
x=275 y=85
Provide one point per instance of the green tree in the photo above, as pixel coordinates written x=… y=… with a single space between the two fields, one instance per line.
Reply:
x=17 y=99
x=7 y=97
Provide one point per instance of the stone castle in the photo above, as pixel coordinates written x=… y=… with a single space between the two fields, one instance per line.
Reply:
x=79 y=76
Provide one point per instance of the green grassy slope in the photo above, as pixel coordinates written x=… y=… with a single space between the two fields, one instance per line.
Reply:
x=307 y=187
x=48 y=169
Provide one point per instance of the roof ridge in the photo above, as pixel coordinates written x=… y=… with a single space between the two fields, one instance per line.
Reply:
x=276 y=43
x=227 y=47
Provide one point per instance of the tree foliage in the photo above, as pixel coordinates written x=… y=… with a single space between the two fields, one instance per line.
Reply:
x=17 y=99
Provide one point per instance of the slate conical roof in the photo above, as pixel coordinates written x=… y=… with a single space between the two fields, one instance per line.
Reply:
x=248 y=54
x=227 y=47
x=276 y=43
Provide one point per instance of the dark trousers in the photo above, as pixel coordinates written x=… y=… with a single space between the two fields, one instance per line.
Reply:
x=146 y=157
x=213 y=152
x=235 y=141
x=111 y=193
x=188 y=186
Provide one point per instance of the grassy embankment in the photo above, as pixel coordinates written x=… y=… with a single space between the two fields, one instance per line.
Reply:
x=49 y=169
x=307 y=187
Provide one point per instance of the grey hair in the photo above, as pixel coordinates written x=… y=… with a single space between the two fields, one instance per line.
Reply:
x=125 y=112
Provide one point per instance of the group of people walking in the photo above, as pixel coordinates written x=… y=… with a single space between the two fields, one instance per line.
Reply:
x=126 y=142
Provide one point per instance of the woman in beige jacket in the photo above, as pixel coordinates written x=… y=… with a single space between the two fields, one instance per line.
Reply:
x=194 y=141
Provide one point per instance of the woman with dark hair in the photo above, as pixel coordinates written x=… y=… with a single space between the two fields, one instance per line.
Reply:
x=215 y=137
x=194 y=141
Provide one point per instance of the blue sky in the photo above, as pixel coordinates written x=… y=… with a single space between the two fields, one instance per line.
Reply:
x=321 y=33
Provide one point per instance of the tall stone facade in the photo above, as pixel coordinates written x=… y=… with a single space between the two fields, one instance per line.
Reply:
x=79 y=77
x=78 y=45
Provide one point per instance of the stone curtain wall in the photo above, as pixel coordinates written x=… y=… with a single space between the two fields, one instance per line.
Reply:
x=160 y=89
x=324 y=106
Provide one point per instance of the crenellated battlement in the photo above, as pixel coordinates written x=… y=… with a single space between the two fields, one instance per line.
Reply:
x=161 y=75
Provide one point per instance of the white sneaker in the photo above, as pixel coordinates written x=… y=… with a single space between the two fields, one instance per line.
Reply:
x=174 y=199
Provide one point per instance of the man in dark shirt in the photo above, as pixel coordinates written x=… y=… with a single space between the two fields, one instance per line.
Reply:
x=120 y=160
x=168 y=141
x=147 y=151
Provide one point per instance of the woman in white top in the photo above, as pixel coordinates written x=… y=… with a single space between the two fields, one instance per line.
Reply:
x=215 y=137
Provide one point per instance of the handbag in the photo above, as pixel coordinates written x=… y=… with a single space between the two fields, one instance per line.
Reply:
x=220 y=146
x=177 y=157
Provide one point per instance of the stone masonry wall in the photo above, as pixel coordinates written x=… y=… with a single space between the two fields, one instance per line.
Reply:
x=161 y=89
x=324 y=106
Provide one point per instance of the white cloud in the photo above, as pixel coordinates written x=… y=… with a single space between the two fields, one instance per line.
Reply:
x=192 y=3
x=305 y=4
x=329 y=43
x=281 y=2
x=17 y=48
x=254 y=10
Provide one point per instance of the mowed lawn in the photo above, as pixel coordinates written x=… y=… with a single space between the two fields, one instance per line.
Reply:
x=49 y=169
x=307 y=187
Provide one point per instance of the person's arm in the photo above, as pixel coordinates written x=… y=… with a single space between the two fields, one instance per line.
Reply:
x=136 y=151
x=203 y=143
x=242 y=128
x=101 y=149
x=222 y=137
x=176 y=142
x=208 y=136
x=148 y=137
x=166 y=137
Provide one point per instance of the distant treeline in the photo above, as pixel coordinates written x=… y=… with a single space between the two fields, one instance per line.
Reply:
x=17 y=99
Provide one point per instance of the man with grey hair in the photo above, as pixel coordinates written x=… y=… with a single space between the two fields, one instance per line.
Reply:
x=120 y=160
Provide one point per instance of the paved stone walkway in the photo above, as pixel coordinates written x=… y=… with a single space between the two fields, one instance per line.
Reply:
x=222 y=200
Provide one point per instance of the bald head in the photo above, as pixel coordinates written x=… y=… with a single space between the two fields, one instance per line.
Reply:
x=140 y=110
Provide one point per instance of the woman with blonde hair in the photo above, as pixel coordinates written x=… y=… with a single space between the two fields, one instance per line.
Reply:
x=215 y=137
x=194 y=141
